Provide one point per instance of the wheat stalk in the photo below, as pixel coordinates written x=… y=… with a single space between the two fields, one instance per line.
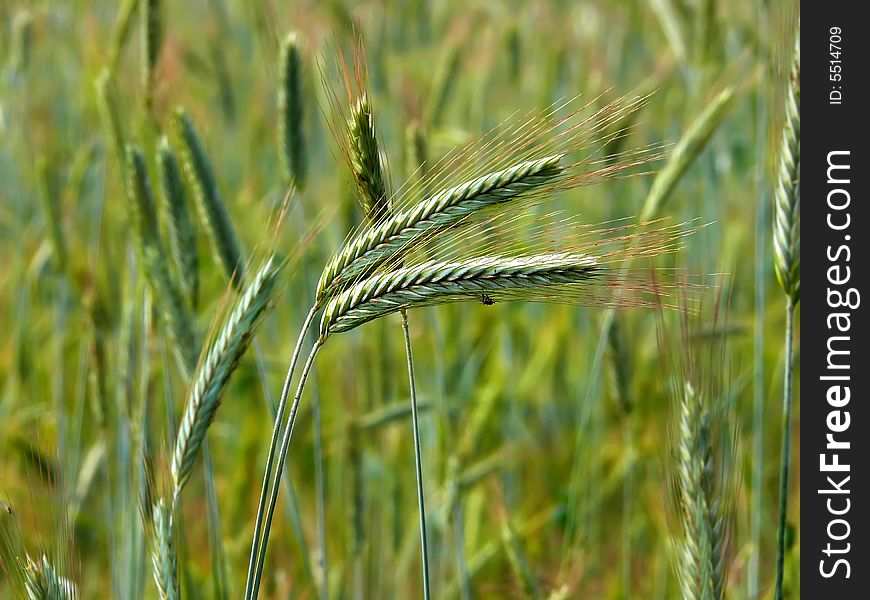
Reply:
x=214 y=372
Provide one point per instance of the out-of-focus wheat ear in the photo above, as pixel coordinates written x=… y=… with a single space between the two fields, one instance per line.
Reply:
x=691 y=145
x=213 y=373
x=212 y=211
x=167 y=296
x=50 y=201
x=291 y=130
x=164 y=559
x=365 y=160
x=121 y=34
x=620 y=366
x=416 y=153
x=151 y=24
x=22 y=42
x=518 y=562
x=787 y=206
x=109 y=107
x=182 y=235
x=444 y=83
x=43 y=582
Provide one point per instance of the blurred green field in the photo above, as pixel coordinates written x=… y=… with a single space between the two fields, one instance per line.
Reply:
x=540 y=481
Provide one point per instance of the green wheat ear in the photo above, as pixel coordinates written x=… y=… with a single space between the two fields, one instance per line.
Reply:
x=152 y=36
x=214 y=371
x=291 y=133
x=365 y=161
x=182 y=235
x=167 y=296
x=787 y=207
x=43 y=582
x=212 y=211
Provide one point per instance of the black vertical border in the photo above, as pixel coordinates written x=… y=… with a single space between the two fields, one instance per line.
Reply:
x=825 y=128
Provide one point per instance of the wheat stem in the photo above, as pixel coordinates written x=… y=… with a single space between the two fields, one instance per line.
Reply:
x=255 y=577
x=785 y=452
x=418 y=460
x=253 y=570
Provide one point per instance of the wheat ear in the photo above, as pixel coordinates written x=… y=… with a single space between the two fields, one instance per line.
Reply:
x=366 y=161
x=291 y=134
x=182 y=235
x=787 y=206
x=152 y=36
x=214 y=372
x=42 y=581
x=166 y=294
x=701 y=559
x=396 y=232
x=213 y=213
x=436 y=282
x=164 y=559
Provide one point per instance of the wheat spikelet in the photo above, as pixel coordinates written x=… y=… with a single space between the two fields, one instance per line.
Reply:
x=438 y=282
x=213 y=213
x=164 y=559
x=448 y=207
x=365 y=160
x=787 y=206
x=214 y=372
x=291 y=135
x=182 y=236
x=43 y=582
x=702 y=556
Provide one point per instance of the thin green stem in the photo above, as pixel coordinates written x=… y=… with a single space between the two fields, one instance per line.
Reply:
x=320 y=504
x=292 y=505
x=257 y=573
x=250 y=591
x=784 y=458
x=418 y=458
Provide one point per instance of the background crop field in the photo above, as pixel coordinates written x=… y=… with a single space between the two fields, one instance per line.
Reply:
x=544 y=461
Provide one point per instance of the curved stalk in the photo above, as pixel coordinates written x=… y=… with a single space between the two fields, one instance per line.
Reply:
x=255 y=574
x=279 y=415
x=418 y=458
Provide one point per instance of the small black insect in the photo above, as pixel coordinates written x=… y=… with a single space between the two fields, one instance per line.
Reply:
x=484 y=299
